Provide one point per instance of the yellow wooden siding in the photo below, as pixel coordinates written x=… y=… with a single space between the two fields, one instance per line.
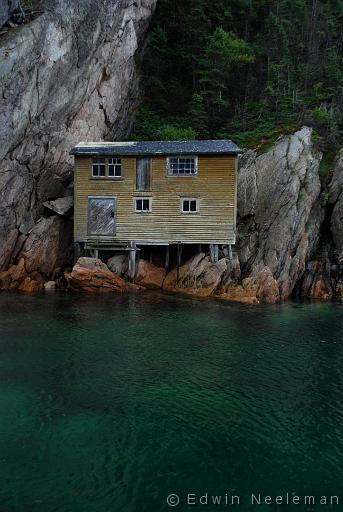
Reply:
x=214 y=186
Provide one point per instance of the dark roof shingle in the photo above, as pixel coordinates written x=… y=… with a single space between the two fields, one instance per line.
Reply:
x=194 y=147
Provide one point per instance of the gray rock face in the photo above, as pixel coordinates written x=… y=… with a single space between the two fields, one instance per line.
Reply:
x=68 y=75
x=61 y=206
x=119 y=264
x=48 y=246
x=279 y=220
x=7 y=7
x=336 y=199
x=336 y=226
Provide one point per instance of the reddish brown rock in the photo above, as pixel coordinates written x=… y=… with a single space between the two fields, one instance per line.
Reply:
x=149 y=276
x=339 y=289
x=198 y=276
x=316 y=283
x=322 y=289
x=29 y=285
x=11 y=279
x=260 y=287
x=91 y=275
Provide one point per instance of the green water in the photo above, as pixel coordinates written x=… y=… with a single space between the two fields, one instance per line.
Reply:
x=110 y=404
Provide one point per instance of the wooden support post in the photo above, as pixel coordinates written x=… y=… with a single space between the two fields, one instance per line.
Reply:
x=150 y=257
x=230 y=251
x=132 y=262
x=166 y=264
x=96 y=253
x=77 y=251
x=138 y=255
x=211 y=248
x=199 y=248
x=216 y=252
x=179 y=256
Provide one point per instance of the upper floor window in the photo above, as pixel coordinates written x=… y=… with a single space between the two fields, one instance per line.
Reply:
x=182 y=166
x=99 y=167
x=106 y=167
x=114 y=167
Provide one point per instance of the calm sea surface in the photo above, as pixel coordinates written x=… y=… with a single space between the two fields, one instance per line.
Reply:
x=111 y=404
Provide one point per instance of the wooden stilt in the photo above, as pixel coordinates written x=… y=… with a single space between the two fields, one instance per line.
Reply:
x=150 y=257
x=77 y=251
x=230 y=252
x=216 y=252
x=211 y=248
x=179 y=256
x=166 y=265
x=138 y=255
x=96 y=253
x=199 y=248
x=132 y=262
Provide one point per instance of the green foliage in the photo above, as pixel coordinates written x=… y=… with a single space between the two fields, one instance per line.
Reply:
x=150 y=126
x=172 y=132
x=198 y=117
x=327 y=164
x=244 y=69
x=326 y=196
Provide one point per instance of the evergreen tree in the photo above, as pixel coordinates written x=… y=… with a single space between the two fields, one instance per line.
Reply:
x=245 y=69
x=198 y=118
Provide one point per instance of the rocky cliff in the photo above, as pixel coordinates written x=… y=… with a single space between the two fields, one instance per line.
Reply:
x=290 y=234
x=68 y=75
x=7 y=8
x=279 y=210
x=290 y=230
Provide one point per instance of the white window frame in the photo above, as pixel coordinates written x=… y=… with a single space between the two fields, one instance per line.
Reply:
x=107 y=161
x=182 y=174
x=189 y=199
x=116 y=162
x=142 y=198
x=98 y=164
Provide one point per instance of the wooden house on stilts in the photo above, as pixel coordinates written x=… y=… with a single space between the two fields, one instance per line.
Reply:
x=134 y=194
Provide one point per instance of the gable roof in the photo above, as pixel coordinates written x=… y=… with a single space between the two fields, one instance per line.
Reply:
x=194 y=147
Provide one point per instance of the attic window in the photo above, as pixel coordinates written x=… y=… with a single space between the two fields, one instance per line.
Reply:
x=182 y=166
x=143 y=205
x=99 y=167
x=114 y=167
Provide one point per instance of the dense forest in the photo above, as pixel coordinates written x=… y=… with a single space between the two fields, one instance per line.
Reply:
x=243 y=69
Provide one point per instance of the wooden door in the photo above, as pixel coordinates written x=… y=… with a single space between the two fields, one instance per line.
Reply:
x=101 y=216
x=143 y=174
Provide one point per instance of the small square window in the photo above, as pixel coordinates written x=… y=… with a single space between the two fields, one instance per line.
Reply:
x=114 y=167
x=189 y=206
x=142 y=204
x=99 y=168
